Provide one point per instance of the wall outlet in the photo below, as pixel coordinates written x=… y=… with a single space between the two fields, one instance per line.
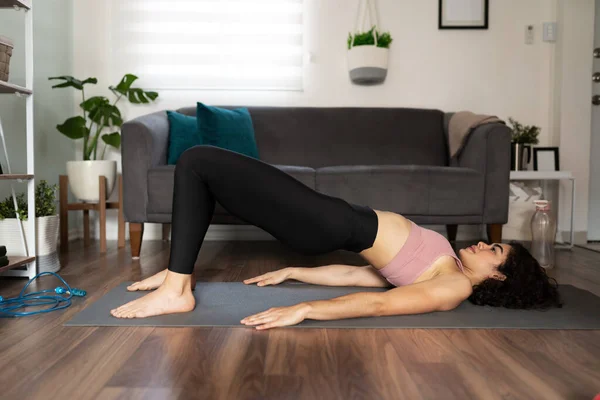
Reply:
x=550 y=31
x=528 y=34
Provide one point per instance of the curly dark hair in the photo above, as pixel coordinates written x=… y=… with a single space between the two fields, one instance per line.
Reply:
x=527 y=286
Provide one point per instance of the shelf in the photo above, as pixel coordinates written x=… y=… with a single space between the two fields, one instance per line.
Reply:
x=15 y=3
x=17 y=261
x=20 y=177
x=539 y=175
x=6 y=87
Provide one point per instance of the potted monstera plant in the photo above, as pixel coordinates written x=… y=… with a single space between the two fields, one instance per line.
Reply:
x=100 y=119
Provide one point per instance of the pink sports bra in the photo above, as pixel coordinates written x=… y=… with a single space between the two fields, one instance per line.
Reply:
x=421 y=249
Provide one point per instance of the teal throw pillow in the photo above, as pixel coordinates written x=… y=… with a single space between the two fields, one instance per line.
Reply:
x=183 y=134
x=228 y=129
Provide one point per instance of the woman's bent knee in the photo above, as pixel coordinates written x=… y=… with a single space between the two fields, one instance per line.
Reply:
x=194 y=155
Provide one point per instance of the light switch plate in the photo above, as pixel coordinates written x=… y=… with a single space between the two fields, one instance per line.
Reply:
x=549 y=32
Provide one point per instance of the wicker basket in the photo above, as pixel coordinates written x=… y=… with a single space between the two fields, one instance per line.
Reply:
x=6 y=48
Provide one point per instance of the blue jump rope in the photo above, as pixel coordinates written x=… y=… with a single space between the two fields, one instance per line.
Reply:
x=9 y=307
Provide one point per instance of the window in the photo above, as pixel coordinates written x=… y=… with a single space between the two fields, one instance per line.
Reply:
x=209 y=44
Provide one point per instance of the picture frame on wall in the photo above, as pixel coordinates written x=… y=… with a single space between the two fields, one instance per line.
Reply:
x=546 y=159
x=463 y=14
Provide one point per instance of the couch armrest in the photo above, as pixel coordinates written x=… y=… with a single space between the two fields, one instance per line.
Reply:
x=487 y=150
x=145 y=141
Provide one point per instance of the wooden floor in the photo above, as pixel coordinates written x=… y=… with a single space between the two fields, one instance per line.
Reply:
x=41 y=359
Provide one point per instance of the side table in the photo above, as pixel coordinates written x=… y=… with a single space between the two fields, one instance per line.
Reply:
x=100 y=207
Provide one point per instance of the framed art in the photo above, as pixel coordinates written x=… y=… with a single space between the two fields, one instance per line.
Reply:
x=546 y=159
x=463 y=14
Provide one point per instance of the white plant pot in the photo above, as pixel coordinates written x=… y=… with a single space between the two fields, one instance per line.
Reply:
x=46 y=231
x=84 y=177
x=368 y=64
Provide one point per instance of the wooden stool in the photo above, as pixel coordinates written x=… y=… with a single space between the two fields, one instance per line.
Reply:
x=101 y=207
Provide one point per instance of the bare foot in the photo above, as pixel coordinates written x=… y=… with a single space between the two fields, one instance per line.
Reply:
x=155 y=281
x=164 y=300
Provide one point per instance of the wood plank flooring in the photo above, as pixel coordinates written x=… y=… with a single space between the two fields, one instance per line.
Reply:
x=41 y=359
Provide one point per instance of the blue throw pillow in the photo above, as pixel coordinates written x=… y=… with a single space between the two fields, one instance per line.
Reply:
x=228 y=129
x=183 y=134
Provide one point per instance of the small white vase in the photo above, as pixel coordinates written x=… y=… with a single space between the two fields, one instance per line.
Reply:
x=84 y=178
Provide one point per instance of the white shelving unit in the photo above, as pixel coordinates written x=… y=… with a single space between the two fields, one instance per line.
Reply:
x=27 y=261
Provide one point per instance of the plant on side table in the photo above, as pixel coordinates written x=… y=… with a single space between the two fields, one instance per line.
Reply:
x=99 y=115
x=46 y=223
x=523 y=137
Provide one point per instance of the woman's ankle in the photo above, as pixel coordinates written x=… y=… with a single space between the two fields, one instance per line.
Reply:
x=177 y=282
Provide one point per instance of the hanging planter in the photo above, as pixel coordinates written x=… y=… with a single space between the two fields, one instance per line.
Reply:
x=368 y=51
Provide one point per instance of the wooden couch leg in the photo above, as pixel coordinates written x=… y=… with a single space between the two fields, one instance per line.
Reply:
x=494 y=233
x=451 y=231
x=136 y=231
x=166 y=230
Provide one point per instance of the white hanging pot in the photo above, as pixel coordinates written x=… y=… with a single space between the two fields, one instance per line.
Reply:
x=367 y=64
x=84 y=178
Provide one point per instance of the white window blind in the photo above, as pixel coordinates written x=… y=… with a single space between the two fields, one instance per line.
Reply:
x=209 y=44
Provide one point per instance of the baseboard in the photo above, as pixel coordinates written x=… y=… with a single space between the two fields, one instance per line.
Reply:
x=74 y=234
x=249 y=232
x=579 y=237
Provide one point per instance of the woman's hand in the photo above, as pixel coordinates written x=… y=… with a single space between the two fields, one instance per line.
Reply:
x=271 y=278
x=278 y=316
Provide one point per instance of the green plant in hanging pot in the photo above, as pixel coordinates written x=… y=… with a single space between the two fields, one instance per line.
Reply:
x=523 y=137
x=368 y=50
x=99 y=123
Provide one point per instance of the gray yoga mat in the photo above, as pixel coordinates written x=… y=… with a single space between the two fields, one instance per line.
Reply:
x=225 y=304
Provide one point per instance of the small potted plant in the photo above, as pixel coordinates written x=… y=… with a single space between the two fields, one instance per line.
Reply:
x=523 y=137
x=368 y=56
x=46 y=226
x=98 y=115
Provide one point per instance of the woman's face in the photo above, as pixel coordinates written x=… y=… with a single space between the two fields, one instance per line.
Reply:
x=484 y=259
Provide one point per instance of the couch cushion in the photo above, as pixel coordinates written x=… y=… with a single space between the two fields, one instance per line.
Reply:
x=161 y=185
x=228 y=129
x=406 y=189
x=183 y=134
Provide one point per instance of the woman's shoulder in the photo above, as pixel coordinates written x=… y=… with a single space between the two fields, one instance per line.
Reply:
x=448 y=272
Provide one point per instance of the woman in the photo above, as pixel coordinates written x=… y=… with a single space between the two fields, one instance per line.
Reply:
x=420 y=262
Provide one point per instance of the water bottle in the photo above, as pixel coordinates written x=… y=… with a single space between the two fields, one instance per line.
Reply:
x=543 y=233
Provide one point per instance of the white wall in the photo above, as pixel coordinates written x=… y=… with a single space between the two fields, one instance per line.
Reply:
x=52 y=56
x=490 y=71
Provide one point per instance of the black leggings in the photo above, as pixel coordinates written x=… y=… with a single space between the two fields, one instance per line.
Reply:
x=262 y=195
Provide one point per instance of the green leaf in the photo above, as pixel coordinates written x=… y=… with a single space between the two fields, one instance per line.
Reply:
x=102 y=112
x=74 y=128
x=134 y=95
x=69 y=81
x=125 y=84
x=112 y=139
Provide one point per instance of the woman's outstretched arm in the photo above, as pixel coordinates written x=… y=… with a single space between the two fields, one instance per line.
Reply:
x=442 y=293
x=327 y=275
x=340 y=275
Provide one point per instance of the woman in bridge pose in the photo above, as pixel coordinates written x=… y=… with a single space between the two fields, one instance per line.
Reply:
x=419 y=265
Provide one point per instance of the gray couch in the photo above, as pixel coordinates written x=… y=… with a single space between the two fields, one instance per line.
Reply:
x=393 y=159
